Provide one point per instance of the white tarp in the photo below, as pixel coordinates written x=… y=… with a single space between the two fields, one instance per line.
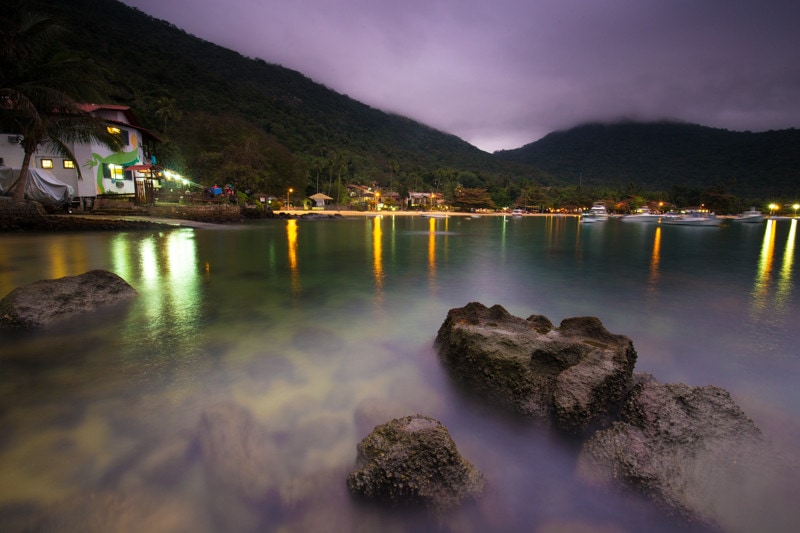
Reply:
x=42 y=187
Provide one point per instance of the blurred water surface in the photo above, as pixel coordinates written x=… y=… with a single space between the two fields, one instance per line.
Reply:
x=322 y=329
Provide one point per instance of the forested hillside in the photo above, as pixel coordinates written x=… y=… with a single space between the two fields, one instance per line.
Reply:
x=228 y=118
x=180 y=86
x=667 y=154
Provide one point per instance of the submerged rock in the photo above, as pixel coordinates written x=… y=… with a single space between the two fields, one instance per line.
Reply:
x=572 y=375
x=682 y=446
x=46 y=301
x=414 y=461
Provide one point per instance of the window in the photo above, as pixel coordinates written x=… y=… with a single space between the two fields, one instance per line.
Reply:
x=123 y=134
x=47 y=163
x=69 y=163
x=114 y=172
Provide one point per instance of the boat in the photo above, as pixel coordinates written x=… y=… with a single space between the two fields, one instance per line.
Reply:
x=517 y=212
x=692 y=217
x=598 y=213
x=752 y=216
x=643 y=214
x=433 y=215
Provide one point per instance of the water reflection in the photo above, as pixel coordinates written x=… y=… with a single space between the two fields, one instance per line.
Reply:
x=432 y=253
x=377 y=257
x=768 y=295
x=655 y=258
x=291 y=236
x=784 y=288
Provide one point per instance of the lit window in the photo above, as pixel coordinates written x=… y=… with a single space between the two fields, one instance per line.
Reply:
x=69 y=163
x=123 y=134
x=47 y=163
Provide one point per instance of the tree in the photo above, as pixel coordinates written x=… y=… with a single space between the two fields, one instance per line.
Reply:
x=41 y=89
x=167 y=110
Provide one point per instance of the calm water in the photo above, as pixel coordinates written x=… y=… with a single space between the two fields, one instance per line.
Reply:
x=323 y=329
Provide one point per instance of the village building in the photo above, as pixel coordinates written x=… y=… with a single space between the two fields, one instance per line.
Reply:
x=130 y=171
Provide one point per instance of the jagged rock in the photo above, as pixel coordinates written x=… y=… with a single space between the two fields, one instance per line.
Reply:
x=572 y=375
x=414 y=461
x=684 y=447
x=46 y=301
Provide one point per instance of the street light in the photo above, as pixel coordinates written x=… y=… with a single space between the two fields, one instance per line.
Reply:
x=772 y=208
x=290 y=191
x=795 y=207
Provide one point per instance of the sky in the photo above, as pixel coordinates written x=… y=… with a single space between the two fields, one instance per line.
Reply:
x=500 y=74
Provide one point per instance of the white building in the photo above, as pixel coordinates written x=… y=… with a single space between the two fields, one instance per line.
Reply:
x=131 y=171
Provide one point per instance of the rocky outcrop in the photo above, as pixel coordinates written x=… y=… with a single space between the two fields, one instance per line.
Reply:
x=684 y=447
x=47 y=301
x=572 y=375
x=413 y=461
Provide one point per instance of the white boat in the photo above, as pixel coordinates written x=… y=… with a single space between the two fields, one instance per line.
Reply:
x=692 y=217
x=517 y=212
x=433 y=215
x=752 y=216
x=598 y=213
x=643 y=214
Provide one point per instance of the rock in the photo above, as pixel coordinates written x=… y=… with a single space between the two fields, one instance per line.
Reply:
x=413 y=461
x=572 y=375
x=237 y=456
x=47 y=301
x=684 y=447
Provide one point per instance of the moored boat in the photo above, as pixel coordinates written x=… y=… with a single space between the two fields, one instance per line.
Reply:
x=598 y=213
x=692 y=217
x=751 y=216
x=643 y=214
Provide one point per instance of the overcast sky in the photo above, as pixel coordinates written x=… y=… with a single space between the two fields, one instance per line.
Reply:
x=502 y=73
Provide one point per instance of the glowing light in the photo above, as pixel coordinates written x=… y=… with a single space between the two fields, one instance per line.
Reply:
x=762 y=281
x=377 y=255
x=291 y=236
x=432 y=251
x=656 y=257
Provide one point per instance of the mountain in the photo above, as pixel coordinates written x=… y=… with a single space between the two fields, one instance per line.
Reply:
x=150 y=61
x=660 y=155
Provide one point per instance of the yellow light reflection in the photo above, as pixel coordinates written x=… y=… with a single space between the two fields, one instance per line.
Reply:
x=183 y=285
x=784 y=288
x=762 y=281
x=151 y=278
x=291 y=235
x=655 y=259
x=120 y=257
x=377 y=255
x=432 y=251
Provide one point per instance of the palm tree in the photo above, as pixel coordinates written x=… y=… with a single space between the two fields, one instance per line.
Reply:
x=41 y=89
x=167 y=110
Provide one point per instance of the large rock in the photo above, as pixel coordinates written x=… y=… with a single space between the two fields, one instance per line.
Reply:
x=414 y=461
x=572 y=375
x=687 y=448
x=47 y=301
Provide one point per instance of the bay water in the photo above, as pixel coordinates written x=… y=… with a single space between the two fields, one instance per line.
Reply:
x=322 y=329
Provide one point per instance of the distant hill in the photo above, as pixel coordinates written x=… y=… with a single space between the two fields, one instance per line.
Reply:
x=148 y=59
x=660 y=155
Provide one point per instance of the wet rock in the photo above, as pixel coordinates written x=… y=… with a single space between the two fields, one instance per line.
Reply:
x=684 y=447
x=414 y=461
x=47 y=301
x=237 y=455
x=573 y=375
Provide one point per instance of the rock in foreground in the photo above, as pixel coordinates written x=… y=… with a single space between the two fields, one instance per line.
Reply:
x=414 y=461
x=572 y=375
x=684 y=447
x=47 y=301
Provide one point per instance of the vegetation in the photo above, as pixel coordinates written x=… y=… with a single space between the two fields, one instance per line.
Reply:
x=225 y=118
x=40 y=92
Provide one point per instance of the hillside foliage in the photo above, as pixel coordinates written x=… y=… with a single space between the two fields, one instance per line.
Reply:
x=226 y=118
